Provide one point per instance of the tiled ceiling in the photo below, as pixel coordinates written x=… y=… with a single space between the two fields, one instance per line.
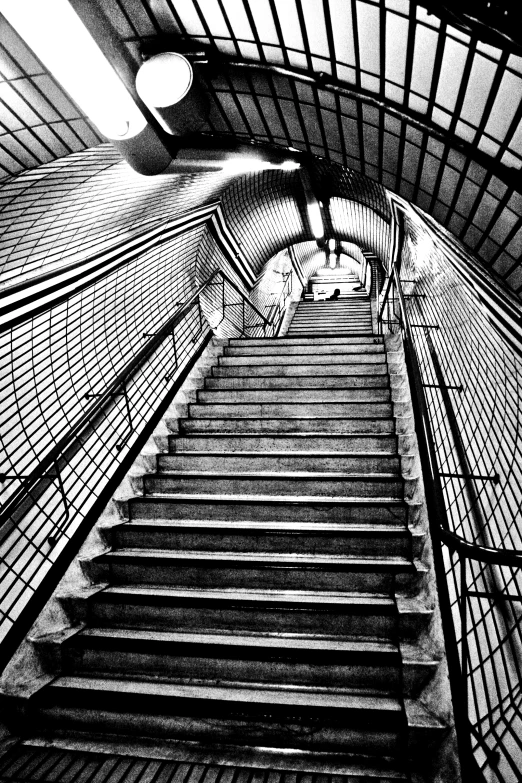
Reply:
x=38 y=120
x=429 y=108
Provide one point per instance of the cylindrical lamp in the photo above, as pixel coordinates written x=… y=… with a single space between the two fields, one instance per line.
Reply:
x=166 y=84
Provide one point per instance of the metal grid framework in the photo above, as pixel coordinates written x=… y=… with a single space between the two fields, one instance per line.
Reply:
x=471 y=368
x=432 y=112
x=385 y=88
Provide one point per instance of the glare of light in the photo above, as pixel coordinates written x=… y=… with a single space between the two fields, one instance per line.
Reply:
x=164 y=79
x=316 y=221
x=59 y=38
x=331 y=244
x=245 y=164
x=333 y=260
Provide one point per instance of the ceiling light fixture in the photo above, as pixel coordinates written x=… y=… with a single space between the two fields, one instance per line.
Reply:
x=316 y=221
x=55 y=33
x=167 y=86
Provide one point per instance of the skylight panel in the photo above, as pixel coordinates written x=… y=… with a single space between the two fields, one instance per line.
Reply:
x=316 y=27
x=289 y=21
x=368 y=28
x=478 y=89
x=215 y=20
x=396 y=35
x=342 y=29
x=423 y=61
x=238 y=19
x=264 y=22
x=190 y=19
x=507 y=100
x=450 y=76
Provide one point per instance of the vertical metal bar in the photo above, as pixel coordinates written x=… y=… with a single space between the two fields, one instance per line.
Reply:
x=62 y=492
x=200 y=316
x=174 y=349
x=464 y=632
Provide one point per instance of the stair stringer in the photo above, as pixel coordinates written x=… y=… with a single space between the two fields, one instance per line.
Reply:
x=435 y=695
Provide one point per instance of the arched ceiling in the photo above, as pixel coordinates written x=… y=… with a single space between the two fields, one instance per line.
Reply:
x=419 y=97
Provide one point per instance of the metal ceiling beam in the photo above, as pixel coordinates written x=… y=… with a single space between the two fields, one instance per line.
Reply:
x=511 y=177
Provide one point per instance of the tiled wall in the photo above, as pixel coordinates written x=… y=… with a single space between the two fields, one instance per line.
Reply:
x=278 y=219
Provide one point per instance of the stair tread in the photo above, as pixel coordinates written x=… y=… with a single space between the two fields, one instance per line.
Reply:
x=313 y=527
x=277 y=558
x=252 y=639
x=268 y=455
x=270 y=595
x=274 y=474
x=251 y=693
x=293 y=499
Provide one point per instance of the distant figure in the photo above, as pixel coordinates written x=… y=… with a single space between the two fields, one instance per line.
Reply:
x=335 y=294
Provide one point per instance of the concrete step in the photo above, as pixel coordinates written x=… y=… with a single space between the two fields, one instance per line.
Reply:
x=315 y=330
x=318 y=395
x=309 y=361
x=277 y=483
x=334 y=320
x=362 y=426
x=254 y=461
x=291 y=384
x=298 y=370
x=329 y=719
x=291 y=410
x=269 y=508
x=347 y=308
x=328 y=305
x=306 y=331
x=286 y=537
x=248 y=569
x=369 y=615
x=333 y=326
x=302 y=350
x=345 y=340
x=303 y=442
x=334 y=305
x=255 y=657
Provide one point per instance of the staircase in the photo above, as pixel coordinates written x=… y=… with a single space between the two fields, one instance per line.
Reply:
x=350 y=313
x=250 y=600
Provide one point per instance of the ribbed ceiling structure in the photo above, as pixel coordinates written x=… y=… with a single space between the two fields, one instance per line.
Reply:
x=426 y=104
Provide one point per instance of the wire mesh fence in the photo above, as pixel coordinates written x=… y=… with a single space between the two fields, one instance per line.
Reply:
x=82 y=380
x=472 y=383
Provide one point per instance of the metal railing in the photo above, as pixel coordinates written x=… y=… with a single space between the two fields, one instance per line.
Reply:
x=480 y=586
x=49 y=508
x=276 y=310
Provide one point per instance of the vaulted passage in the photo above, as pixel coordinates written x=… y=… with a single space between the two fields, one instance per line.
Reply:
x=255 y=596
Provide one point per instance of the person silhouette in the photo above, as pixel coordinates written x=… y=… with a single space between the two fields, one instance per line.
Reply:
x=335 y=294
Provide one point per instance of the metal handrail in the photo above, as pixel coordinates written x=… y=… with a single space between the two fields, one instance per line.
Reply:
x=35 y=484
x=439 y=526
x=285 y=292
x=486 y=554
